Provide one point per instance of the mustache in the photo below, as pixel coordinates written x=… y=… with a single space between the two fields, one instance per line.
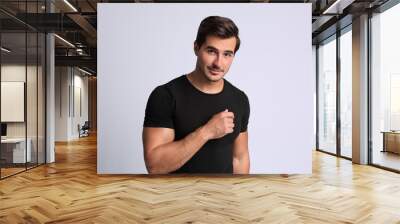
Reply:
x=213 y=68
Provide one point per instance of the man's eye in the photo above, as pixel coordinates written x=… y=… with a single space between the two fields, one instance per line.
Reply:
x=211 y=52
x=228 y=55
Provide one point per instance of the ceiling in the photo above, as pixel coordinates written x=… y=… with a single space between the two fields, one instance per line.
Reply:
x=76 y=22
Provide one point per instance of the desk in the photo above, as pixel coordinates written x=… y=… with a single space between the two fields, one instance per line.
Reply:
x=15 y=148
x=391 y=141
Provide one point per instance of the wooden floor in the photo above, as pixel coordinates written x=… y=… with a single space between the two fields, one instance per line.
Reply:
x=70 y=191
x=387 y=159
x=5 y=172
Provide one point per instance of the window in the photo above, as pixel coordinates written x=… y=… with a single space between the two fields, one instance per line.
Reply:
x=346 y=93
x=327 y=96
x=385 y=88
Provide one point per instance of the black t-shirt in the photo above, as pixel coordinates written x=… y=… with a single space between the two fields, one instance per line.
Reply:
x=181 y=106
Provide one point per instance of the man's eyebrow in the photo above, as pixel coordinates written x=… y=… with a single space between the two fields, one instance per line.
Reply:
x=213 y=48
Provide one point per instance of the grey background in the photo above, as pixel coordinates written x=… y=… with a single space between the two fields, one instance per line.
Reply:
x=141 y=46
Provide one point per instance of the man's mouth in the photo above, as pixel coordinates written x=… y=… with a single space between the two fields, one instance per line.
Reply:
x=215 y=72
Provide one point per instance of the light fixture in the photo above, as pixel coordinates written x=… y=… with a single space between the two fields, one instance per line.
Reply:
x=337 y=7
x=84 y=71
x=5 y=50
x=79 y=51
x=70 y=5
x=64 y=40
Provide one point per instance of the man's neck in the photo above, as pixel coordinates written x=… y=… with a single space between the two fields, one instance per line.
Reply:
x=200 y=82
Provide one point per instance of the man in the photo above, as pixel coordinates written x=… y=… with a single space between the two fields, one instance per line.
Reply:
x=197 y=123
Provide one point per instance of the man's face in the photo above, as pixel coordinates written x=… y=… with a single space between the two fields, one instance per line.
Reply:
x=215 y=56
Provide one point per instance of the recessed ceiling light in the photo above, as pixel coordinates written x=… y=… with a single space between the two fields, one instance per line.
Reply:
x=337 y=7
x=5 y=50
x=64 y=40
x=84 y=71
x=70 y=5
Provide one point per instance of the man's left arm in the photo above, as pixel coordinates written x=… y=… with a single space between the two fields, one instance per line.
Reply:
x=241 y=158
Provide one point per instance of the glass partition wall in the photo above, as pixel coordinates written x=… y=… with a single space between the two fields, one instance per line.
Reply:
x=327 y=95
x=22 y=78
x=345 y=62
x=334 y=63
x=13 y=89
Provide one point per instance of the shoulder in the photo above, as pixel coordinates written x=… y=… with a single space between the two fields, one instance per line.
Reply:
x=238 y=93
x=175 y=83
x=168 y=88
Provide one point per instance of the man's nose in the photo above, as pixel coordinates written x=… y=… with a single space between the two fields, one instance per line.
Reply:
x=217 y=61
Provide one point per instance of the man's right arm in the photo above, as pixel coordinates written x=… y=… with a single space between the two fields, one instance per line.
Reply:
x=163 y=155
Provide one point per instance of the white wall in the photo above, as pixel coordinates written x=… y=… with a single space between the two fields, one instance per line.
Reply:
x=68 y=81
x=17 y=73
x=62 y=80
x=273 y=67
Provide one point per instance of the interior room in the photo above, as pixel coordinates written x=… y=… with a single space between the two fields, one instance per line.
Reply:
x=52 y=116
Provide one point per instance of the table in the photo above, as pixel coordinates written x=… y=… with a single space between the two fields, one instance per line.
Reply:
x=391 y=141
x=15 y=148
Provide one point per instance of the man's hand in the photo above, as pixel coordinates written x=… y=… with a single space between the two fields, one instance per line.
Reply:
x=163 y=154
x=219 y=125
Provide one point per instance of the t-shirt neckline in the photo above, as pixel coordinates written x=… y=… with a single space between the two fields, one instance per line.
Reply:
x=201 y=92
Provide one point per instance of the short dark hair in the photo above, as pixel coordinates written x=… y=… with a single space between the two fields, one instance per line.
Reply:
x=221 y=27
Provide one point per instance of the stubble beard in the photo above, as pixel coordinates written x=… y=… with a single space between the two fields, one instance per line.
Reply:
x=209 y=76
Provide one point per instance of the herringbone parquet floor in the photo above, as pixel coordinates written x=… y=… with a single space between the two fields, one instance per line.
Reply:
x=70 y=191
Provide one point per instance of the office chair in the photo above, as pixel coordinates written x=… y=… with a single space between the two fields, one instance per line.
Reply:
x=84 y=130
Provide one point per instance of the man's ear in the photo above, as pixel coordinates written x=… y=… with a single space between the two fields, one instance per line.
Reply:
x=196 y=48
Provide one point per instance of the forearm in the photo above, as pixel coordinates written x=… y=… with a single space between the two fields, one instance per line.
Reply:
x=171 y=156
x=241 y=164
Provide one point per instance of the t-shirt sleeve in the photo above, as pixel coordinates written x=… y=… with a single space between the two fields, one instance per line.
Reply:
x=159 y=109
x=246 y=113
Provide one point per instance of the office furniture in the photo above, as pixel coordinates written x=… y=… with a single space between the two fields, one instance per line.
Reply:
x=13 y=150
x=84 y=130
x=391 y=141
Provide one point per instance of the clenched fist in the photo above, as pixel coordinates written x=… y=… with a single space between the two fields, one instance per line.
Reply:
x=219 y=125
